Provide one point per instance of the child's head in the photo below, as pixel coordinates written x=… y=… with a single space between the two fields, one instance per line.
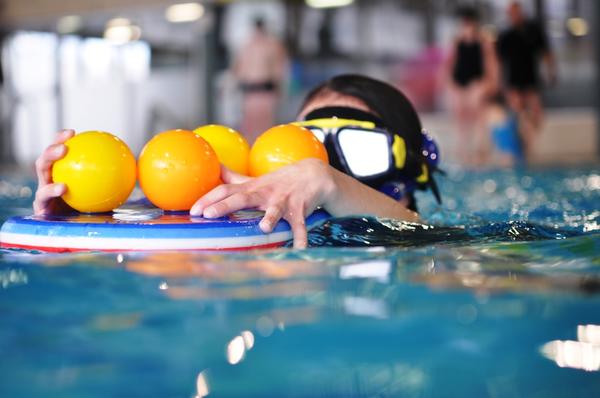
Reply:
x=372 y=96
x=515 y=13
x=362 y=98
x=469 y=19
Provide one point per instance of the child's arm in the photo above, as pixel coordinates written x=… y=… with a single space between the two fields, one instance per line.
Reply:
x=295 y=191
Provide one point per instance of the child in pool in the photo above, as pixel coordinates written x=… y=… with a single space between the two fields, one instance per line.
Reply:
x=294 y=191
x=503 y=125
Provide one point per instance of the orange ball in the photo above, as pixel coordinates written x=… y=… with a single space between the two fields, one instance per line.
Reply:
x=282 y=145
x=176 y=168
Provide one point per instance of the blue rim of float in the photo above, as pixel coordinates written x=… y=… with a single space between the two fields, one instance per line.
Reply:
x=170 y=231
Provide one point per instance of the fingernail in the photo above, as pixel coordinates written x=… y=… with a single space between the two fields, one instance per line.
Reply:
x=194 y=211
x=58 y=150
x=210 y=212
x=58 y=189
x=265 y=226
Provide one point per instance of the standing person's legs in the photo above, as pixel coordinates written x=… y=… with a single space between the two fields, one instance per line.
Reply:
x=528 y=106
x=533 y=103
x=459 y=105
x=536 y=109
x=517 y=102
x=478 y=107
x=532 y=123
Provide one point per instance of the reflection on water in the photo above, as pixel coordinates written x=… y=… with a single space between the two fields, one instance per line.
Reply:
x=202 y=389
x=379 y=270
x=12 y=191
x=581 y=354
x=12 y=277
x=236 y=350
x=497 y=297
x=326 y=322
x=589 y=334
x=238 y=346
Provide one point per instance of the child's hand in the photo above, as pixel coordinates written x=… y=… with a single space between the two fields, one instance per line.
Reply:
x=291 y=193
x=47 y=197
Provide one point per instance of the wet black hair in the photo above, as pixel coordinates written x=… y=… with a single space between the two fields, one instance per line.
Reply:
x=388 y=103
x=468 y=13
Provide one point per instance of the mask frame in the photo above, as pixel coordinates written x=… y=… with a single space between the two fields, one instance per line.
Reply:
x=342 y=142
x=329 y=122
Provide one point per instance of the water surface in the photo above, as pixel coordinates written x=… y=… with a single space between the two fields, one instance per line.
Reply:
x=497 y=296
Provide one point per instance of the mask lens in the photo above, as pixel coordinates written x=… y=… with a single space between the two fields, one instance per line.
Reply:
x=366 y=152
x=318 y=132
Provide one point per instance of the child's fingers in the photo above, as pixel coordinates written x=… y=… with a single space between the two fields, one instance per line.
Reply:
x=238 y=201
x=63 y=135
x=44 y=163
x=231 y=177
x=217 y=194
x=44 y=195
x=297 y=222
x=272 y=216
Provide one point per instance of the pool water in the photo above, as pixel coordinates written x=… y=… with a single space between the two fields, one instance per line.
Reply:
x=499 y=295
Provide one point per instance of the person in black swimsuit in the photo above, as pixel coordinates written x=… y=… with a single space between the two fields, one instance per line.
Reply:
x=468 y=66
x=471 y=71
x=520 y=49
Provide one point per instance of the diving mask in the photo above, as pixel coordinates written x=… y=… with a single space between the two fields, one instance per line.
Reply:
x=359 y=144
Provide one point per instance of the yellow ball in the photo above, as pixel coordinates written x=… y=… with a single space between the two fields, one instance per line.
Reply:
x=231 y=147
x=176 y=168
x=282 y=145
x=99 y=171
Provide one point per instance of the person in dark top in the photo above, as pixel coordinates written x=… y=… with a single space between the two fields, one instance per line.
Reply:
x=520 y=49
x=472 y=76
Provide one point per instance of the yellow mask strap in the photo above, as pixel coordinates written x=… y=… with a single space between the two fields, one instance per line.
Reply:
x=334 y=122
x=399 y=151
x=424 y=177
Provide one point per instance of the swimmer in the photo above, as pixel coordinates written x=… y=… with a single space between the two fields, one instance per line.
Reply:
x=381 y=125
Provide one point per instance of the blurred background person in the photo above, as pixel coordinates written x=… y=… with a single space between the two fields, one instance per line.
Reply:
x=502 y=123
x=260 y=68
x=471 y=72
x=520 y=49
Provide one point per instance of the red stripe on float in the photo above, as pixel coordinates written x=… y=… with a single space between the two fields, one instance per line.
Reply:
x=77 y=250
